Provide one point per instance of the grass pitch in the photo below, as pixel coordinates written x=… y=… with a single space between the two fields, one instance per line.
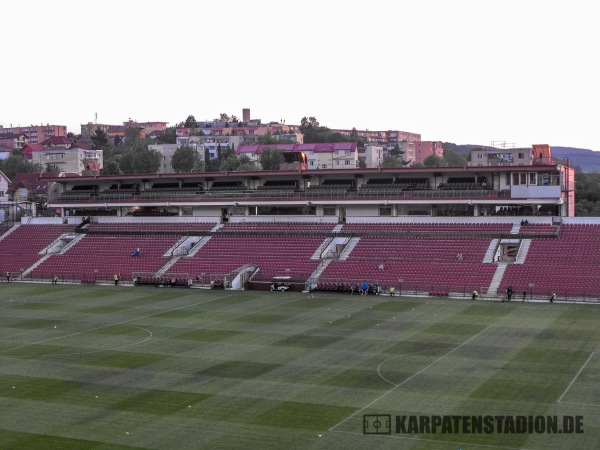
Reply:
x=106 y=368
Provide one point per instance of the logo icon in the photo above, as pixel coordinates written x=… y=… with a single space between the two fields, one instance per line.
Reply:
x=377 y=424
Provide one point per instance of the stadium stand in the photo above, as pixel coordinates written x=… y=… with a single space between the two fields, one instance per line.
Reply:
x=20 y=247
x=423 y=263
x=568 y=265
x=112 y=254
x=275 y=255
x=438 y=258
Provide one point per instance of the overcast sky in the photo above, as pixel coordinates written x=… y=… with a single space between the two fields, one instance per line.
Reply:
x=468 y=72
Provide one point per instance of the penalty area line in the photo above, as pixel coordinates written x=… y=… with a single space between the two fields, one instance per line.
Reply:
x=110 y=325
x=408 y=379
x=574 y=378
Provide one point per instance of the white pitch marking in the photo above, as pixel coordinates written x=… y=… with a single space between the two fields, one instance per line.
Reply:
x=573 y=380
x=408 y=379
x=105 y=349
x=111 y=325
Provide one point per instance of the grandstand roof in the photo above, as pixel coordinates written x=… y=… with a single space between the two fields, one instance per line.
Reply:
x=338 y=172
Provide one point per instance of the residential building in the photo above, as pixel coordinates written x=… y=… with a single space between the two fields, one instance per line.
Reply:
x=12 y=141
x=386 y=138
x=373 y=156
x=73 y=160
x=4 y=184
x=511 y=156
x=247 y=135
x=207 y=143
x=148 y=127
x=36 y=133
x=57 y=142
x=341 y=155
x=167 y=151
x=425 y=149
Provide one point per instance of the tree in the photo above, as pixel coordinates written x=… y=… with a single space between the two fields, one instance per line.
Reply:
x=229 y=164
x=16 y=163
x=133 y=137
x=313 y=133
x=110 y=167
x=140 y=160
x=271 y=159
x=587 y=193
x=453 y=159
x=266 y=139
x=308 y=123
x=235 y=162
x=226 y=152
x=185 y=159
x=168 y=136
x=223 y=118
x=108 y=152
x=433 y=161
x=190 y=122
x=99 y=139
x=246 y=163
x=391 y=161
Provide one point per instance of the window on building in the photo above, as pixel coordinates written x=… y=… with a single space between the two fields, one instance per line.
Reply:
x=385 y=210
x=549 y=179
x=532 y=179
x=323 y=166
x=347 y=162
x=479 y=155
x=519 y=179
x=521 y=155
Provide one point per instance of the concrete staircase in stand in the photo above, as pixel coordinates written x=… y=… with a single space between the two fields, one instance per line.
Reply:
x=497 y=279
x=523 y=250
x=348 y=249
x=491 y=251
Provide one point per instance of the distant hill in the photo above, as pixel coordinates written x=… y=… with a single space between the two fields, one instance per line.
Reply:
x=587 y=160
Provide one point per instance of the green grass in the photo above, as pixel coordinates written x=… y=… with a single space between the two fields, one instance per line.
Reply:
x=190 y=369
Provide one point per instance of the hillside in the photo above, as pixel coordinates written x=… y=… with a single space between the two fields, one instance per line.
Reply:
x=587 y=160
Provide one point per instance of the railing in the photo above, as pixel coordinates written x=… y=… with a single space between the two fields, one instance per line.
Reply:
x=280 y=194
x=406 y=288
